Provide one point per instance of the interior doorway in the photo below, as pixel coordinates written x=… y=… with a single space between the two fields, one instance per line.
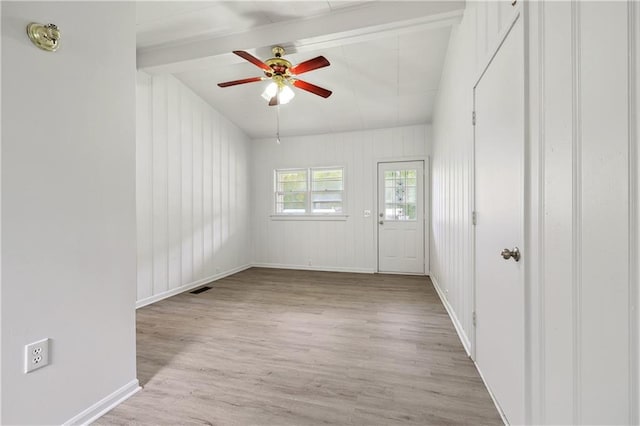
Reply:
x=499 y=210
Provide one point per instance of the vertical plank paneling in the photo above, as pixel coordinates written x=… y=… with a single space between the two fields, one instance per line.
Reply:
x=589 y=131
x=233 y=196
x=186 y=141
x=224 y=193
x=180 y=177
x=558 y=209
x=196 y=182
x=217 y=185
x=159 y=166
x=470 y=46
x=144 y=186
x=207 y=195
x=175 y=186
x=604 y=183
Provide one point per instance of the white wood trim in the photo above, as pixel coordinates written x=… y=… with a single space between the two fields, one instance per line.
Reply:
x=464 y=339
x=535 y=368
x=330 y=217
x=634 y=231
x=187 y=287
x=577 y=210
x=104 y=405
x=314 y=268
x=493 y=398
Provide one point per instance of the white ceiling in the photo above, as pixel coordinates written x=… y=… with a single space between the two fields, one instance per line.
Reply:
x=386 y=58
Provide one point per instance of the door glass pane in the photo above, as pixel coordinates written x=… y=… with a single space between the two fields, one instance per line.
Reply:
x=400 y=195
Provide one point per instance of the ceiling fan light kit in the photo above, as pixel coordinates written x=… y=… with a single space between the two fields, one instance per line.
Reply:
x=283 y=75
x=279 y=92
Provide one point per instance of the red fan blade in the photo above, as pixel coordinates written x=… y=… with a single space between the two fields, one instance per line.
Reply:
x=243 y=81
x=255 y=61
x=316 y=90
x=310 y=65
x=274 y=101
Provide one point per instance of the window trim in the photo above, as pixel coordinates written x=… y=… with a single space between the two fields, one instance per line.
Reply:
x=309 y=215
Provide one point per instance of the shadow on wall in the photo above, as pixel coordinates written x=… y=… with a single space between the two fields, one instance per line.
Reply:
x=166 y=340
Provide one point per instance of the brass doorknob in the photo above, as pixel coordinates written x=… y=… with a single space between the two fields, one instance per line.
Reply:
x=515 y=254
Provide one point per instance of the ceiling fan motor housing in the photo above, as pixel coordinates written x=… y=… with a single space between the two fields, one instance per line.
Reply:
x=279 y=65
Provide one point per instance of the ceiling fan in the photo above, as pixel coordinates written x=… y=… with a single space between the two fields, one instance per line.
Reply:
x=283 y=75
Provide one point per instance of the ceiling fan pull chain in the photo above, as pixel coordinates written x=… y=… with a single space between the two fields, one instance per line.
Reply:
x=278 y=123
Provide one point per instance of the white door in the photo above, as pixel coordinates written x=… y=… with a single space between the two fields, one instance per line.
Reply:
x=499 y=149
x=401 y=217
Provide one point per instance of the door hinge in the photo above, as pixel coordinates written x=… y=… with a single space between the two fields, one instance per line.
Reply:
x=474 y=218
x=473 y=317
x=473 y=118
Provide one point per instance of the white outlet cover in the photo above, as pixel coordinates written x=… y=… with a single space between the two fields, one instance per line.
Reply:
x=367 y=213
x=36 y=355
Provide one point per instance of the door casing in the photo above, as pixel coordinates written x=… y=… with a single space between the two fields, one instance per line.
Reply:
x=426 y=176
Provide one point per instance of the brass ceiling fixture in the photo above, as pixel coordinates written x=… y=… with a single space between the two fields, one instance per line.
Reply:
x=46 y=37
x=283 y=75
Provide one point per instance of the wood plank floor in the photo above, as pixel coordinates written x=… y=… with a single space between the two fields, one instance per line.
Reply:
x=281 y=347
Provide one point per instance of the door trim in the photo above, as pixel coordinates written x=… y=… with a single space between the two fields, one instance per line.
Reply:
x=426 y=208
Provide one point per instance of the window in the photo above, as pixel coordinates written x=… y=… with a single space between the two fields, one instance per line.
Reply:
x=313 y=191
x=400 y=195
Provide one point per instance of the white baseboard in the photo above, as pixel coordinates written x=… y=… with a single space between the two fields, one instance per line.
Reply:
x=104 y=405
x=493 y=397
x=314 y=268
x=466 y=343
x=454 y=319
x=160 y=296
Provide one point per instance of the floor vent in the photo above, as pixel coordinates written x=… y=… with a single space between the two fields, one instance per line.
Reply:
x=201 y=290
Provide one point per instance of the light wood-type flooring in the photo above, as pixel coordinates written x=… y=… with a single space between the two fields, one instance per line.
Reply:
x=282 y=347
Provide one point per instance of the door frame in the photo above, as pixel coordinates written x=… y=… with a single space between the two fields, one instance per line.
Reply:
x=426 y=208
x=528 y=257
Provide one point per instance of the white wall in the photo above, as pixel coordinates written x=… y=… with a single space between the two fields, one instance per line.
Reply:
x=327 y=245
x=581 y=195
x=584 y=203
x=451 y=245
x=193 y=187
x=68 y=210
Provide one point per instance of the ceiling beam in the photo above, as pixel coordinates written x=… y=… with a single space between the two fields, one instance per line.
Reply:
x=373 y=20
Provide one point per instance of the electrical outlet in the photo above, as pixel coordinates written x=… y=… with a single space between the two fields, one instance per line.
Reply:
x=36 y=355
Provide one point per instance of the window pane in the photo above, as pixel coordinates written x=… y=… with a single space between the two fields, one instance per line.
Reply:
x=291 y=180
x=410 y=212
x=327 y=180
x=326 y=196
x=400 y=195
x=292 y=186
x=327 y=207
x=411 y=195
x=291 y=202
x=291 y=208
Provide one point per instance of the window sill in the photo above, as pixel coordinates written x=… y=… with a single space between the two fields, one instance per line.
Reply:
x=313 y=217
